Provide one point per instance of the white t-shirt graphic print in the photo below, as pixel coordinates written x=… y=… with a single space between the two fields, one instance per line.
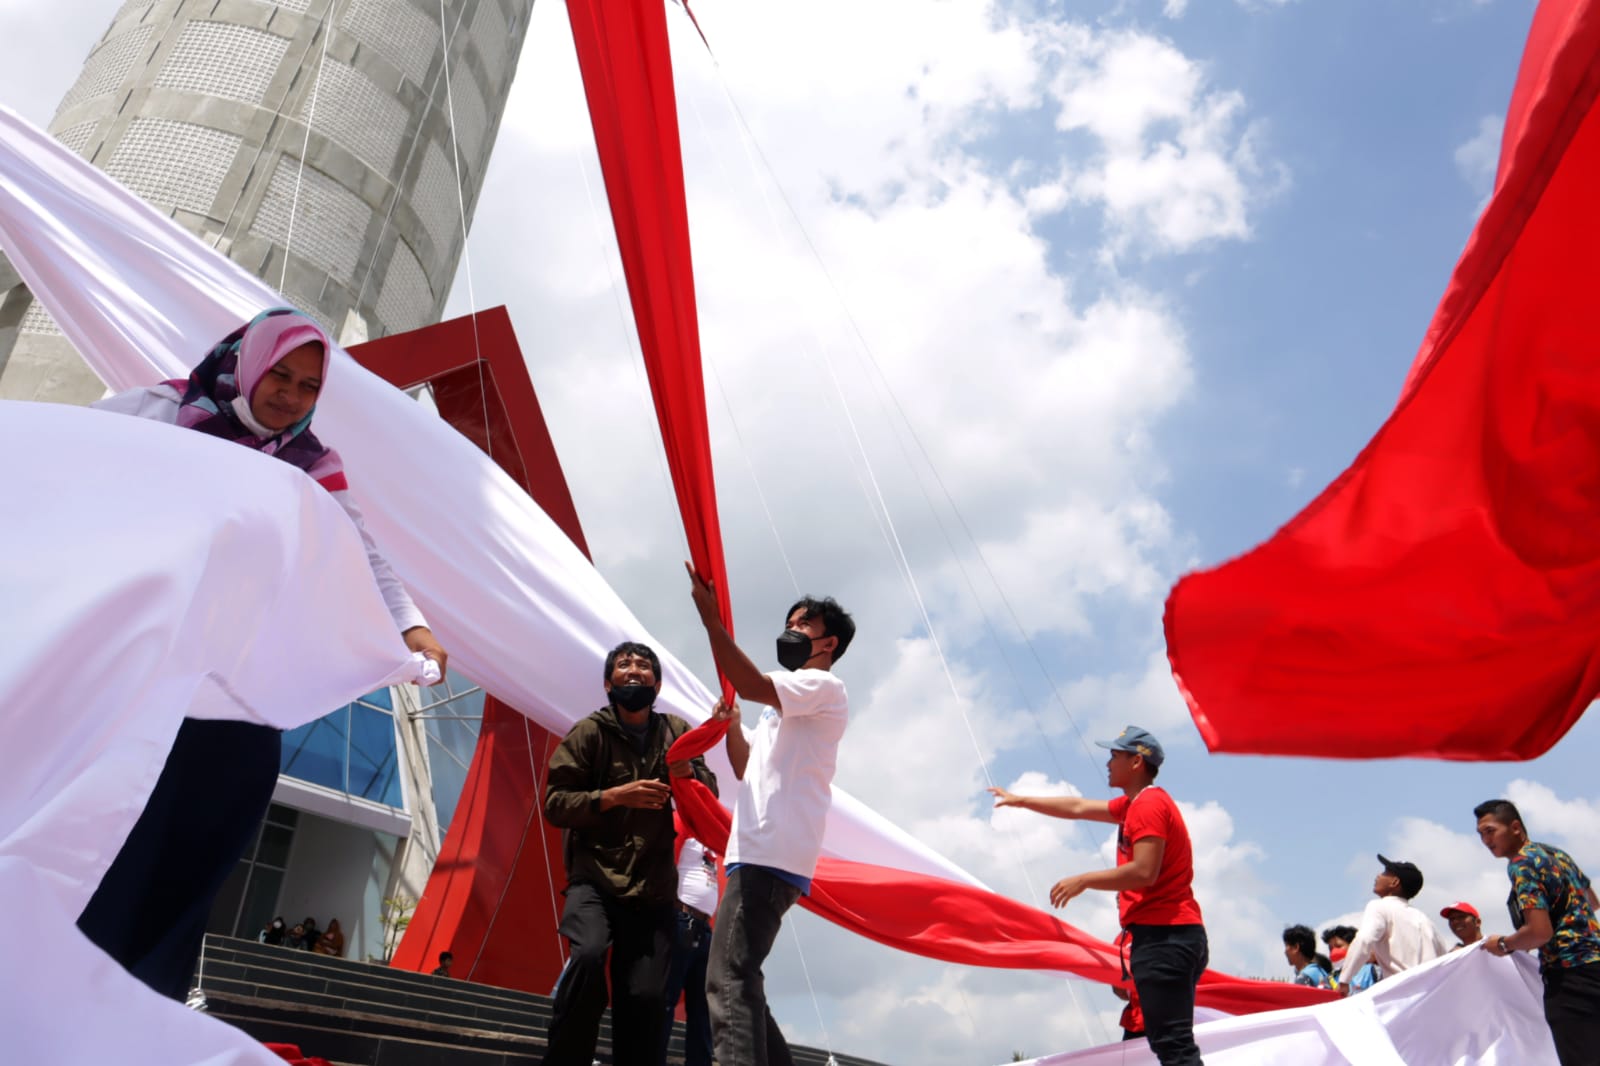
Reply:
x=778 y=816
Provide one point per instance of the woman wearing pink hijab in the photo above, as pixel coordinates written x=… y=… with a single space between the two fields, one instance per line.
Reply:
x=258 y=387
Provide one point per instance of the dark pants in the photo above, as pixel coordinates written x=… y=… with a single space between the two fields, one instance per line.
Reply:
x=748 y=920
x=637 y=936
x=691 y=949
x=150 y=910
x=1166 y=962
x=1572 y=1008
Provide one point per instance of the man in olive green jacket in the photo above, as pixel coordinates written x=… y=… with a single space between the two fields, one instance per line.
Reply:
x=608 y=790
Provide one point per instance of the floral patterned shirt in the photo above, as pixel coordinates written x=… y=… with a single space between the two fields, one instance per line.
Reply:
x=1545 y=878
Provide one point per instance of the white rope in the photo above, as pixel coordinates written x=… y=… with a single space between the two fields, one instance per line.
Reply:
x=887 y=521
x=544 y=843
x=305 y=145
x=461 y=204
x=827 y=1042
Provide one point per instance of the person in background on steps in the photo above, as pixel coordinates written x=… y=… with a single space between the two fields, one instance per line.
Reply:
x=331 y=942
x=274 y=933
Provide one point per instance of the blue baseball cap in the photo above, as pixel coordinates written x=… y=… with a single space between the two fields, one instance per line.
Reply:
x=1139 y=742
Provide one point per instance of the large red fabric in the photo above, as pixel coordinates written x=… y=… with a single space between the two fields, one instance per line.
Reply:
x=1442 y=597
x=627 y=77
x=955 y=922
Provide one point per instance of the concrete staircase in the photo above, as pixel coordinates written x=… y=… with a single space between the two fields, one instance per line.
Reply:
x=361 y=1014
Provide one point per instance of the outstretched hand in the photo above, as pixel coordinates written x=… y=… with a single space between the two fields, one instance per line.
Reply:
x=1002 y=798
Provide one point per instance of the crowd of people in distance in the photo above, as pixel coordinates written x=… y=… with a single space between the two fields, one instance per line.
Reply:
x=1553 y=910
x=304 y=936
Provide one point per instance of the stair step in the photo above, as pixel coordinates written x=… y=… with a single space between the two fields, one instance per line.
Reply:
x=368 y=1014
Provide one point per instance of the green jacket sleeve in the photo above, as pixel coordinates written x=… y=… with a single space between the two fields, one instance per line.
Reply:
x=571 y=798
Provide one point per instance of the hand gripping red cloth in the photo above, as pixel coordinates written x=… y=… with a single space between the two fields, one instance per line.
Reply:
x=954 y=922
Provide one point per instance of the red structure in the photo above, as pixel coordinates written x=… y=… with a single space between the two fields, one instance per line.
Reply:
x=492 y=897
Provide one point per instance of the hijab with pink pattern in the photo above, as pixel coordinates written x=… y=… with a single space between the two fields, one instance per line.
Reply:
x=215 y=398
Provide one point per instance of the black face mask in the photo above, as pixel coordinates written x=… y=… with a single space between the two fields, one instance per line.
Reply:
x=632 y=697
x=794 y=649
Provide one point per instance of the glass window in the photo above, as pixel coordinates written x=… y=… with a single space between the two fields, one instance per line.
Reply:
x=373 y=759
x=316 y=751
x=225 y=911
x=453 y=713
x=274 y=847
x=260 y=901
x=351 y=750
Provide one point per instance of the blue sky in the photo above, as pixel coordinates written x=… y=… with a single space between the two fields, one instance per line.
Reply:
x=1143 y=276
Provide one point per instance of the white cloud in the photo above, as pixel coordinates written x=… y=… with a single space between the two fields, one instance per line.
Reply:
x=1176 y=164
x=1478 y=158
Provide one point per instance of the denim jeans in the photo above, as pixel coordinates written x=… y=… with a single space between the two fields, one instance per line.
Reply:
x=1166 y=962
x=691 y=950
x=748 y=920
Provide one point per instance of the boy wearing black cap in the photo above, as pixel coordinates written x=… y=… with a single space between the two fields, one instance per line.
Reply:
x=1153 y=881
x=1393 y=933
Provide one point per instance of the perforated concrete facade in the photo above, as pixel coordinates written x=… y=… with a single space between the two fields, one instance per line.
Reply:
x=202 y=109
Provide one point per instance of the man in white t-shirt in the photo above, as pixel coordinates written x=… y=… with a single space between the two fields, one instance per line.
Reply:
x=787 y=768
x=1393 y=934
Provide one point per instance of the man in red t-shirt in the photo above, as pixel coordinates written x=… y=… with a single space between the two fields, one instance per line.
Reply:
x=1152 y=879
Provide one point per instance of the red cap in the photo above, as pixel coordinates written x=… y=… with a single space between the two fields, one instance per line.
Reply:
x=1466 y=908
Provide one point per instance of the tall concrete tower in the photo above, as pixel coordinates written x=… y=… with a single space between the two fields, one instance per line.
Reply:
x=203 y=107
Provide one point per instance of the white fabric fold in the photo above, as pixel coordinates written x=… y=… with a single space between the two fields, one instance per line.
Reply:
x=238 y=590
x=518 y=607
x=1465 y=1009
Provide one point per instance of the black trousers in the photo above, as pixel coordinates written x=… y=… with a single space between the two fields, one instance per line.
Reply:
x=150 y=910
x=639 y=939
x=1166 y=962
x=1572 y=1008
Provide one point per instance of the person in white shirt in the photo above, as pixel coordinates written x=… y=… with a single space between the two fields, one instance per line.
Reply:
x=1393 y=934
x=787 y=768
x=691 y=949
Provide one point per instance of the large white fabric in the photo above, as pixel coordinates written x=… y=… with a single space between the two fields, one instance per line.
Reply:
x=518 y=607
x=161 y=403
x=239 y=591
x=1466 y=1009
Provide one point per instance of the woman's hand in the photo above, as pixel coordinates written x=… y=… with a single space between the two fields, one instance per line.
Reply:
x=420 y=639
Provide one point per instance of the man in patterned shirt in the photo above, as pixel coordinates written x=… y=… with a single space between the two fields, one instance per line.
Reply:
x=1553 y=908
